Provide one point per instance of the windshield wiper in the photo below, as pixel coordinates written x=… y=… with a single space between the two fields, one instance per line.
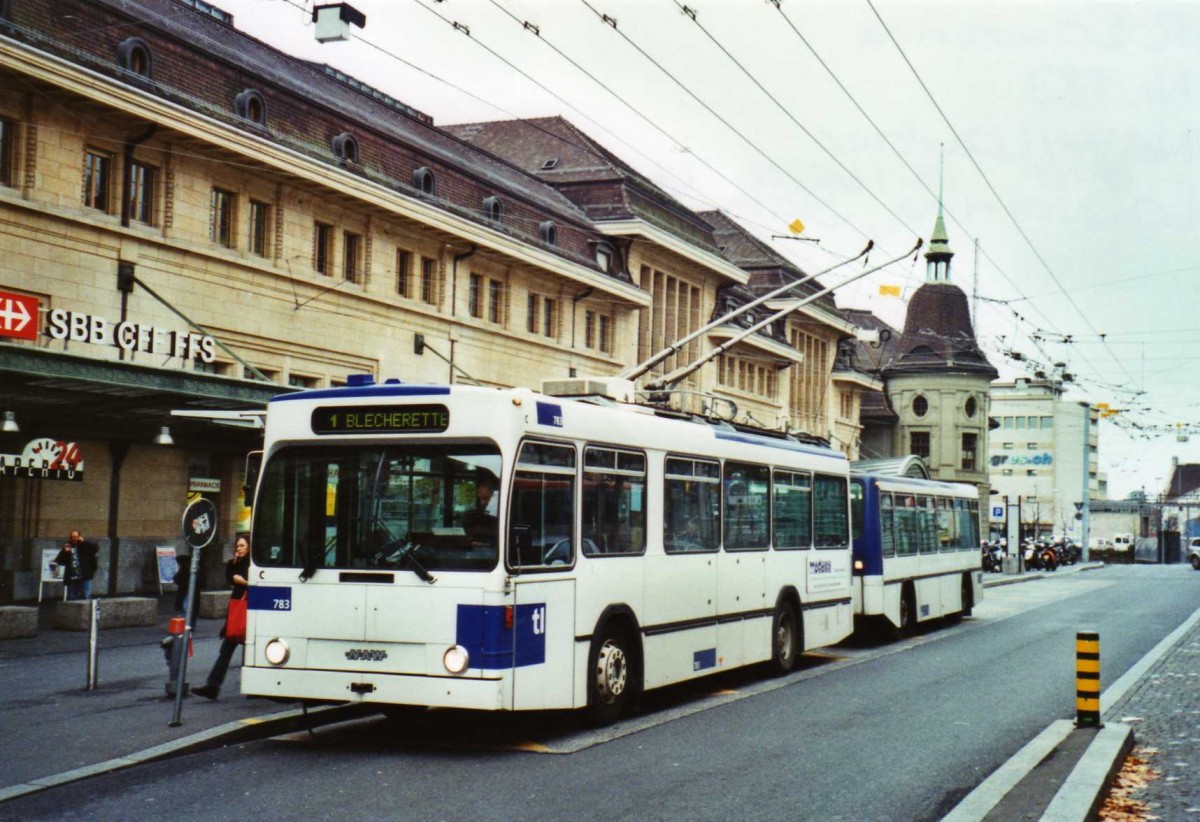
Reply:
x=407 y=553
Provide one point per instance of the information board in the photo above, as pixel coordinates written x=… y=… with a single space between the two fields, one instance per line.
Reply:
x=51 y=571
x=168 y=565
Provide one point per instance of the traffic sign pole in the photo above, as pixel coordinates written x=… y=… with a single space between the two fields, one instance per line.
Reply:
x=199 y=528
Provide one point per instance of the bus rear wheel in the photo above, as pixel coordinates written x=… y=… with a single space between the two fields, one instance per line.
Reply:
x=785 y=639
x=610 y=680
x=908 y=612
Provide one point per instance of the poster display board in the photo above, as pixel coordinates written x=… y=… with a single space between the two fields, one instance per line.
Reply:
x=52 y=572
x=168 y=565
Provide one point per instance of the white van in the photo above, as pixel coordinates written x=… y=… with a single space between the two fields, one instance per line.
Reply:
x=1123 y=542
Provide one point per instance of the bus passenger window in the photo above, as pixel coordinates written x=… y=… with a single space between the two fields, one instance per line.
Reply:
x=887 y=532
x=614 y=502
x=747 y=506
x=691 y=506
x=857 y=509
x=831 y=525
x=792 y=510
x=543 y=501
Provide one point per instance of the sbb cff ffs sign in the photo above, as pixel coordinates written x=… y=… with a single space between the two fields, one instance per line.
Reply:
x=18 y=316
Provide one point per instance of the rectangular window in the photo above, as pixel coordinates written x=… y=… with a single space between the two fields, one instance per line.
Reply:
x=256 y=230
x=221 y=217
x=857 y=509
x=1008 y=446
x=691 y=506
x=352 y=257
x=96 y=170
x=550 y=318
x=1008 y=422
x=543 y=505
x=1031 y=445
x=495 y=304
x=403 y=272
x=474 y=297
x=747 y=506
x=919 y=444
x=141 y=193
x=831 y=516
x=323 y=249
x=970 y=445
x=907 y=527
x=300 y=381
x=614 y=502
x=847 y=399
x=531 y=313
x=428 y=281
x=887 y=532
x=8 y=153
x=589 y=329
x=606 y=334
x=926 y=539
x=1020 y=423
x=947 y=527
x=792 y=510
x=1033 y=423
x=1047 y=423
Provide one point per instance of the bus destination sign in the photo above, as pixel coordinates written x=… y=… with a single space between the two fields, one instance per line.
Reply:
x=381 y=419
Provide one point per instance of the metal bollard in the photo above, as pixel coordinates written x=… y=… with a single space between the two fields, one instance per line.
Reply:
x=93 y=660
x=174 y=647
x=1087 y=679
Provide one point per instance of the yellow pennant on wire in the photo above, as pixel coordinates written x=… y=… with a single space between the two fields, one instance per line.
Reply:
x=796 y=227
x=889 y=291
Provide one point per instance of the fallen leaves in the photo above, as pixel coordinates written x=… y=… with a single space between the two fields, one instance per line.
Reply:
x=1121 y=804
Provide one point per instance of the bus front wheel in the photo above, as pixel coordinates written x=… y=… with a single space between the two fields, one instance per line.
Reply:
x=785 y=639
x=610 y=679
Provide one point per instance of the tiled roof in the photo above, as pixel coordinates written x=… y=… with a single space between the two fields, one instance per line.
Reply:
x=938 y=335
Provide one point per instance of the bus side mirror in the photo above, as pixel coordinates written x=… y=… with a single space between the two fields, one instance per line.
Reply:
x=520 y=546
x=253 y=469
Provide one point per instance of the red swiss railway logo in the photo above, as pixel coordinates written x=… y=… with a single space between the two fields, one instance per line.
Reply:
x=18 y=316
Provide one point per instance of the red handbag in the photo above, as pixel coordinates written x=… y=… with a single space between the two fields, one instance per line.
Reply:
x=235 y=620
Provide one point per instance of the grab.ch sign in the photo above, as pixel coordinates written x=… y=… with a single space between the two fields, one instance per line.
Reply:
x=18 y=316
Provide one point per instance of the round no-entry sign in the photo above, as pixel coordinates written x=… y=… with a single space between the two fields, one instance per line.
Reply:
x=200 y=523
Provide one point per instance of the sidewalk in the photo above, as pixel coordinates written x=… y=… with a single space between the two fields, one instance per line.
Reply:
x=51 y=725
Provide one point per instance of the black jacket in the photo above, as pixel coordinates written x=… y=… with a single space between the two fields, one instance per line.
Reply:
x=86 y=553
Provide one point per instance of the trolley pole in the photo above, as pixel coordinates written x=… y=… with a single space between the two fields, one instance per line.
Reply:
x=1087 y=680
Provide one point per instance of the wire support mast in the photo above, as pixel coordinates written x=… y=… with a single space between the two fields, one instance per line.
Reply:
x=678 y=374
x=675 y=347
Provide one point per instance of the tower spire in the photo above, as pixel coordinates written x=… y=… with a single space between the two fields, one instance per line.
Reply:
x=937 y=258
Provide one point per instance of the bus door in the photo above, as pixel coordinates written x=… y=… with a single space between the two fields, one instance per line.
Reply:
x=541 y=556
x=543 y=642
x=741 y=567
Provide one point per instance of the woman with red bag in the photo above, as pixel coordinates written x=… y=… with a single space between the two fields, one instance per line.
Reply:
x=237 y=571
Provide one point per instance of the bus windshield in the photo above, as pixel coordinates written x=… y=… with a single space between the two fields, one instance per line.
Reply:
x=416 y=507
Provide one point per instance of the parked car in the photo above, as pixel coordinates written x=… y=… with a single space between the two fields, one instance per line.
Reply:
x=1194 y=552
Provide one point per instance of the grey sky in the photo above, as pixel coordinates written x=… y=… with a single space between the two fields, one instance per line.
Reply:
x=1081 y=114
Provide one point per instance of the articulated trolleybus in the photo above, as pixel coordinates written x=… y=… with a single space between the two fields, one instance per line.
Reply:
x=504 y=550
x=916 y=551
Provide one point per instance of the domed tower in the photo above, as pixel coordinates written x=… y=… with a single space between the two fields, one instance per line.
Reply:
x=937 y=378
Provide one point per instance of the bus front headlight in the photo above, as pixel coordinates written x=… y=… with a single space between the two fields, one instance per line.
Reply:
x=276 y=651
x=456 y=659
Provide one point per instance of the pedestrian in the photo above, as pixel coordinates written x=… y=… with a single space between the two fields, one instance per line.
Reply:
x=233 y=635
x=78 y=561
x=182 y=579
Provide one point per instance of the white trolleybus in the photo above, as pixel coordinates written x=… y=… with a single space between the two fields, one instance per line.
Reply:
x=916 y=551
x=504 y=550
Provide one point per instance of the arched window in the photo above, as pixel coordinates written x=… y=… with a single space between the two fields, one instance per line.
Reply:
x=345 y=148
x=424 y=181
x=493 y=209
x=133 y=55
x=250 y=105
x=548 y=231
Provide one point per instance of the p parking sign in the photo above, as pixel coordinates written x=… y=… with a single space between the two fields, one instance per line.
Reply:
x=997 y=512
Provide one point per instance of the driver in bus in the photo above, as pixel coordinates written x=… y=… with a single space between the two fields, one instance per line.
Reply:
x=482 y=524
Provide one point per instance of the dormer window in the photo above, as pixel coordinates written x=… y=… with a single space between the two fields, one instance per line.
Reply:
x=424 y=182
x=133 y=55
x=345 y=148
x=548 y=231
x=550 y=164
x=493 y=209
x=604 y=257
x=250 y=105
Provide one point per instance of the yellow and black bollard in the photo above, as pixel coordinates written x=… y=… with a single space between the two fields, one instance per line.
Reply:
x=1087 y=679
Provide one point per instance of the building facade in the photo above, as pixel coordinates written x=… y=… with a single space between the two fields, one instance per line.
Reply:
x=190 y=219
x=1044 y=453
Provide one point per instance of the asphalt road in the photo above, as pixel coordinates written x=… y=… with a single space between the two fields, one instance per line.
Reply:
x=898 y=731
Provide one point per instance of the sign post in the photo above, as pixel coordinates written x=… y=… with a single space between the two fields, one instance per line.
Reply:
x=199 y=528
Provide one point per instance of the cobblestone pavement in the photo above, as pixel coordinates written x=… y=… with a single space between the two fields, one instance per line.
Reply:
x=1164 y=710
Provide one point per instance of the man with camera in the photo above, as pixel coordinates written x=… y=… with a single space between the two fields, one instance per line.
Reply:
x=78 y=561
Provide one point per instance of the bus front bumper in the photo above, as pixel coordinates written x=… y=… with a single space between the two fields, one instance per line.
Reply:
x=395 y=689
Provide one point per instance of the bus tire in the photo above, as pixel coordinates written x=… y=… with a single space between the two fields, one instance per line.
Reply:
x=786 y=642
x=611 y=669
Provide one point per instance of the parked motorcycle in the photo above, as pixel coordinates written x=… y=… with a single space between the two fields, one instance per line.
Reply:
x=1040 y=556
x=992 y=556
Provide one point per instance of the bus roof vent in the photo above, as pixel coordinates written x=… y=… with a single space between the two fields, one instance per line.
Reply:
x=613 y=388
x=359 y=380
